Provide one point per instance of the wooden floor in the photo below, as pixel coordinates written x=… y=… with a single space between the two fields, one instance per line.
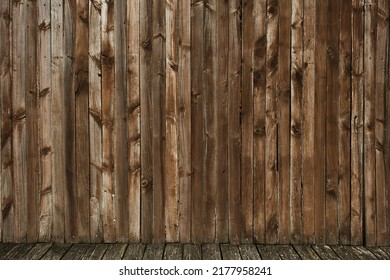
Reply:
x=47 y=251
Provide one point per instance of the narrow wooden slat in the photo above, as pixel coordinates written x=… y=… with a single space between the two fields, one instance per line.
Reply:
x=76 y=252
x=249 y=252
x=197 y=129
x=320 y=119
x=192 y=252
x=38 y=251
x=381 y=64
x=134 y=120
x=95 y=122
x=45 y=122
x=308 y=128
x=344 y=123
x=268 y=252
x=363 y=253
x=158 y=114
x=17 y=252
x=370 y=224
x=120 y=152
x=305 y=252
x=108 y=81
x=184 y=121
x=247 y=122
x=325 y=252
x=115 y=252
x=211 y=252
x=357 y=123
x=6 y=175
x=154 y=252
x=230 y=252
x=222 y=210
x=296 y=138
x=345 y=252
x=171 y=171
x=173 y=252
x=210 y=111
x=146 y=123
x=234 y=116
x=19 y=136
x=378 y=253
x=287 y=252
x=283 y=117
x=95 y=252
x=56 y=251
x=259 y=131
x=134 y=252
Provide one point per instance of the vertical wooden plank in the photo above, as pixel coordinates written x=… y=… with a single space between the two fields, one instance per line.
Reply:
x=171 y=190
x=387 y=123
x=297 y=58
x=146 y=121
x=45 y=122
x=197 y=136
x=259 y=123
x=370 y=37
x=95 y=121
x=58 y=119
x=121 y=167
x=283 y=111
x=332 y=127
x=271 y=174
x=357 y=123
x=222 y=210
x=380 y=108
x=308 y=128
x=19 y=136
x=247 y=122
x=344 y=123
x=184 y=121
x=234 y=117
x=81 y=92
x=320 y=114
x=134 y=120
x=108 y=91
x=6 y=74
x=158 y=117
x=210 y=110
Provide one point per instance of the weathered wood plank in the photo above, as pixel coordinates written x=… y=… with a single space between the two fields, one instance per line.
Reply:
x=386 y=250
x=56 y=251
x=230 y=252
x=363 y=253
x=5 y=247
x=344 y=252
x=17 y=252
x=192 y=252
x=305 y=252
x=325 y=252
x=249 y=252
x=211 y=252
x=76 y=252
x=268 y=252
x=95 y=252
x=357 y=123
x=173 y=251
x=134 y=252
x=287 y=252
x=378 y=253
x=38 y=252
x=154 y=252
x=115 y=251
x=7 y=250
x=134 y=120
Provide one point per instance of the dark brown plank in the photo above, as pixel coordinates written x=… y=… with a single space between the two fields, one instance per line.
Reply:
x=17 y=252
x=268 y=252
x=134 y=252
x=76 y=252
x=249 y=252
x=154 y=252
x=211 y=252
x=363 y=253
x=305 y=252
x=173 y=252
x=287 y=252
x=115 y=252
x=386 y=250
x=39 y=251
x=6 y=248
x=378 y=253
x=230 y=252
x=95 y=252
x=192 y=252
x=344 y=252
x=325 y=252
x=56 y=252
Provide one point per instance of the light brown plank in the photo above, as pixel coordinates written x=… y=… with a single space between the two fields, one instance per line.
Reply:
x=134 y=120
x=249 y=252
x=357 y=123
x=95 y=252
x=173 y=251
x=115 y=252
x=154 y=252
x=134 y=252
x=211 y=252
x=230 y=252
x=192 y=252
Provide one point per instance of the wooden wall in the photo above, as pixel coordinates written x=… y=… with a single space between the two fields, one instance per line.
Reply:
x=195 y=121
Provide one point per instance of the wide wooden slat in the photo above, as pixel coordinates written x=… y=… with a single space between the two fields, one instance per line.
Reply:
x=154 y=252
x=115 y=251
x=192 y=252
x=345 y=252
x=173 y=252
x=325 y=252
x=6 y=249
x=249 y=252
x=305 y=252
x=17 y=252
x=56 y=252
x=95 y=252
x=38 y=251
x=230 y=252
x=211 y=252
x=378 y=253
x=268 y=252
x=76 y=252
x=363 y=253
x=287 y=252
x=134 y=252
